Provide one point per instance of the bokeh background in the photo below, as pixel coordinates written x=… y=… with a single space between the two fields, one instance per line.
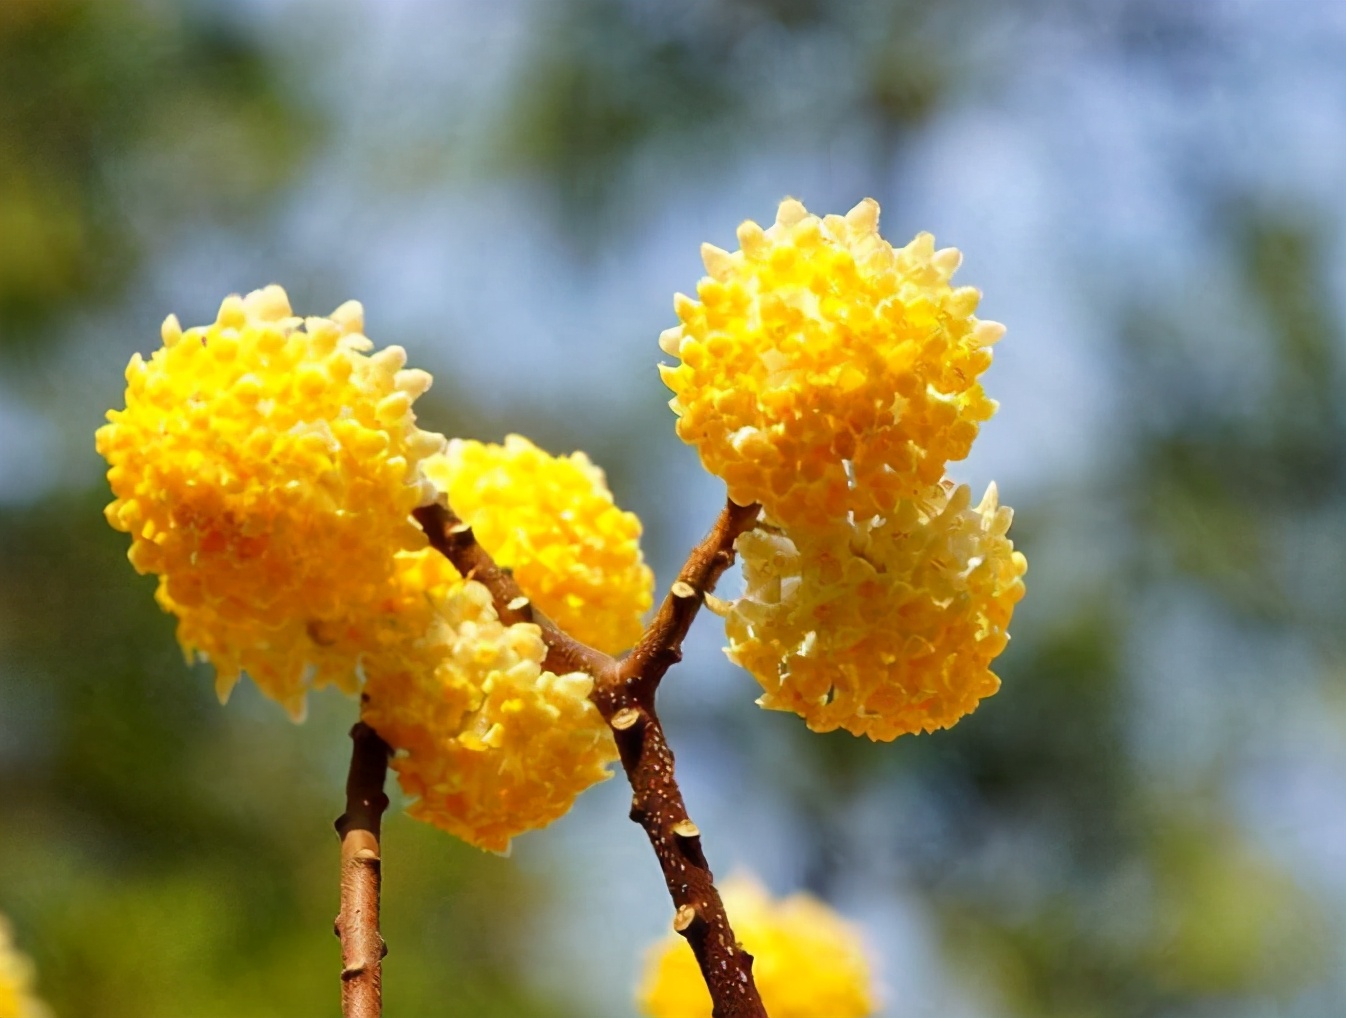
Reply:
x=1149 y=820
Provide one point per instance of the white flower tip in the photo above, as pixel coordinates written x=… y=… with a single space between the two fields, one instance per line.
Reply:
x=413 y=381
x=990 y=501
x=717 y=605
x=790 y=212
x=864 y=217
x=998 y=522
x=350 y=316
x=752 y=239
x=922 y=246
x=394 y=356
x=171 y=331
x=947 y=260
x=959 y=499
x=424 y=444
x=670 y=340
x=963 y=300
x=269 y=304
x=987 y=333
x=232 y=311
x=428 y=492
x=719 y=262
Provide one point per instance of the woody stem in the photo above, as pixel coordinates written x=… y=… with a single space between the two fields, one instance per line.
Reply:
x=624 y=693
x=357 y=923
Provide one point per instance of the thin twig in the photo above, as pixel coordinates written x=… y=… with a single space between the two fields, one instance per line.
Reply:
x=661 y=645
x=357 y=924
x=657 y=805
x=624 y=693
x=453 y=539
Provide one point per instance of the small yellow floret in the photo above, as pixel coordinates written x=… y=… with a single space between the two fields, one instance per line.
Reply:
x=880 y=628
x=807 y=961
x=488 y=743
x=551 y=520
x=16 y=981
x=265 y=467
x=823 y=370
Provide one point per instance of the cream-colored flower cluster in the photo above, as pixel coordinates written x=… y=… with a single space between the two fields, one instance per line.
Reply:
x=17 y=997
x=807 y=960
x=552 y=520
x=831 y=378
x=265 y=467
x=885 y=627
x=488 y=743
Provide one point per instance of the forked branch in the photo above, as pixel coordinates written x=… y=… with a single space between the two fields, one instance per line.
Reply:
x=624 y=693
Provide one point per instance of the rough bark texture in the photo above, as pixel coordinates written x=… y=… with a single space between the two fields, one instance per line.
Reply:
x=624 y=693
x=357 y=924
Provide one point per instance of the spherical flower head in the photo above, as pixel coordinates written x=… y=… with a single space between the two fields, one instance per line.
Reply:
x=552 y=520
x=265 y=467
x=884 y=627
x=488 y=743
x=823 y=370
x=807 y=960
x=17 y=999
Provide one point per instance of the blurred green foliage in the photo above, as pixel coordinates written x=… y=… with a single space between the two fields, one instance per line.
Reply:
x=164 y=870
x=103 y=102
x=614 y=85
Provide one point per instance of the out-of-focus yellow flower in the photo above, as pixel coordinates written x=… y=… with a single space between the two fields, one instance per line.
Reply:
x=551 y=520
x=807 y=961
x=265 y=467
x=17 y=999
x=823 y=371
x=490 y=745
x=884 y=627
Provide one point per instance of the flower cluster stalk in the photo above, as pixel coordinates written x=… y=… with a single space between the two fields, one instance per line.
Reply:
x=357 y=924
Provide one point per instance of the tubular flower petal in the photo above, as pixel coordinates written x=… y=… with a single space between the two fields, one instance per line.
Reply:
x=807 y=960
x=16 y=981
x=265 y=467
x=551 y=519
x=823 y=370
x=490 y=745
x=884 y=627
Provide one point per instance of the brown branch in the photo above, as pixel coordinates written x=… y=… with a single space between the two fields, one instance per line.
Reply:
x=661 y=645
x=357 y=924
x=624 y=694
x=453 y=539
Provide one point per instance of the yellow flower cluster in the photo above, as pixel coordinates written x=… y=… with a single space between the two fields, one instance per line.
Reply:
x=488 y=743
x=551 y=519
x=807 y=961
x=16 y=981
x=265 y=467
x=823 y=371
x=831 y=378
x=881 y=628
